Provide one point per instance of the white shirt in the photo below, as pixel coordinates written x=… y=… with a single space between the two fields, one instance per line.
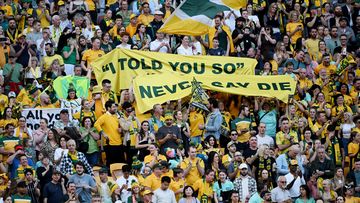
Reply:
x=280 y=195
x=105 y=192
x=295 y=189
x=57 y=155
x=245 y=188
x=42 y=50
x=265 y=140
x=231 y=21
x=185 y=51
x=155 y=45
x=121 y=181
x=127 y=46
x=55 y=33
x=346 y=129
x=163 y=196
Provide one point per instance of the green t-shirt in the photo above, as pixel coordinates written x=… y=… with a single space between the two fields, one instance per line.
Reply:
x=21 y=199
x=15 y=76
x=93 y=147
x=72 y=58
x=8 y=142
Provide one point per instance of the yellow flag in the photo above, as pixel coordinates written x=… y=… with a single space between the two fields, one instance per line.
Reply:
x=120 y=66
x=157 y=89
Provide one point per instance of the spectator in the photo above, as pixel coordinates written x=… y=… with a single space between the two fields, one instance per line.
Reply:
x=160 y=44
x=294 y=180
x=67 y=166
x=87 y=184
x=322 y=165
x=193 y=166
x=108 y=127
x=125 y=182
x=163 y=193
x=245 y=190
x=168 y=135
x=280 y=193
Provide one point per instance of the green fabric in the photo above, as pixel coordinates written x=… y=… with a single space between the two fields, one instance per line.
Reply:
x=7 y=138
x=203 y=7
x=93 y=147
x=63 y=84
x=71 y=59
x=15 y=76
x=15 y=198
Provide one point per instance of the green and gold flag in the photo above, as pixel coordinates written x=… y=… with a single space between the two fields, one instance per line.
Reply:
x=62 y=85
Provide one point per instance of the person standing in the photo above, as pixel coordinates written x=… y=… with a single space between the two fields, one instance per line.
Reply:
x=164 y=194
x=55 y=191
x=294 y=180
x=85 y=184
x=245 y=184
x=213 y=121
x=169 y=135
x=108 y=127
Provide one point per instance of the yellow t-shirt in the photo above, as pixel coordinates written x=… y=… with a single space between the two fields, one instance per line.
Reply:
x=352 y=200
x=90 y=114
x=325 y=89
x=170 y=174
x=282 y=140
x=290 y=27
x=152 y=182
x=109 y=124
x=43 y=20
x=176 y=185
x=6 y=102
x=149 y=158
x=317 y=127
x=353 y=148
x=3 y=53
x=91 y=55
x=131 y=30
x=329 y=69
x=193 y=174
x=313 y=46
x=196 y=119
x=91 y=5
x=204 y=188
x=8 y=10
x=145 y=19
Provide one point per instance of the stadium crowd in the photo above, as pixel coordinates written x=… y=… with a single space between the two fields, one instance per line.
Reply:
x=244 y=149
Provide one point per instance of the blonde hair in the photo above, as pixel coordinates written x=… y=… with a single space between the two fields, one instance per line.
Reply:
x=261 y=149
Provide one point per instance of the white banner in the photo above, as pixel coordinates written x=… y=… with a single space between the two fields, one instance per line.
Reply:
x=33 y=117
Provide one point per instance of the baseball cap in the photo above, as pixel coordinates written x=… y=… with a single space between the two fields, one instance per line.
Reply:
x=157 y=12
x=243 y=165
x=146 y=192
x=132 y=16
x=19 y=147
x=11 y=94
x=229 y=144
x=293 y=162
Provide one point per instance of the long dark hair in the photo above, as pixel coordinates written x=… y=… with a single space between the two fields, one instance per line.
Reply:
x=142 y=132
x=208 y=138
x=4 y=113
x=185 y=188
x=307 y=190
